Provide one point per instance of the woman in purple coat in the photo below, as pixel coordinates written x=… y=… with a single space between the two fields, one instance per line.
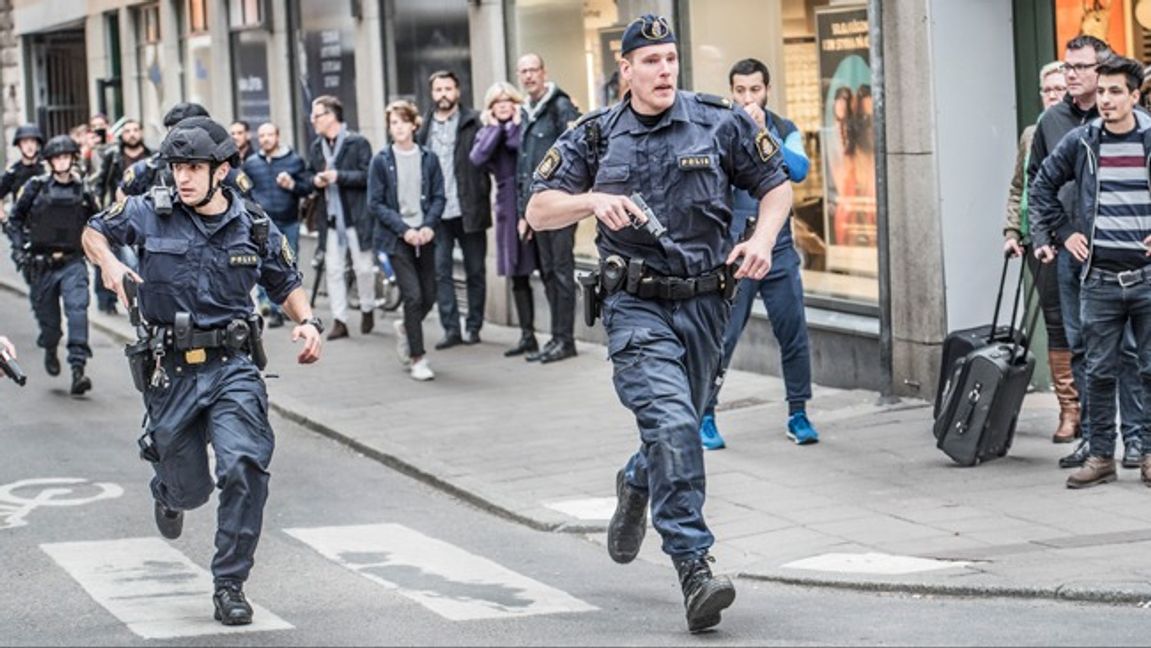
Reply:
x=496 y=149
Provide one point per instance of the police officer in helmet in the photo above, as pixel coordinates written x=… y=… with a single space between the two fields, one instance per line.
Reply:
x=145 y=174
x=47 y=222
x=28 y=139
x=202 y=254
x=664 y=290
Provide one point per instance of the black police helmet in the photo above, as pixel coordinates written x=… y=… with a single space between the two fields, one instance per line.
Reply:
x=60 y=145
x=182 y=111
x=199 y=139
x=27 y=131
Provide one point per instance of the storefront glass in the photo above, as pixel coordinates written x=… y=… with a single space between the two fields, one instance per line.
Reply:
x=149 y=72
x=423 y=36
x=325 y=43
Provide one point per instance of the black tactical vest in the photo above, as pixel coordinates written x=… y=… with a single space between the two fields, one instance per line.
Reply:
x=58 y=217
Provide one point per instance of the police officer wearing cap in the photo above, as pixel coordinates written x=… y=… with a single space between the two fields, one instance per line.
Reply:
x=47 y=222
x=200 y=357
x=664 y=305
x=145 y=174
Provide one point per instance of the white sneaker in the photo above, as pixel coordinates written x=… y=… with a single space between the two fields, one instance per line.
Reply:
x=421 y=371
x=403 y=351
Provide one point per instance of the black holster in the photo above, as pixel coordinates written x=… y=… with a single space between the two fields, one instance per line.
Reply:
x=141 y=363
x=256 y=341
x=589 y=288
x=730 y=283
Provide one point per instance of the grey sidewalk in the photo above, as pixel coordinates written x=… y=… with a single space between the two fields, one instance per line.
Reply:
x=541 y=445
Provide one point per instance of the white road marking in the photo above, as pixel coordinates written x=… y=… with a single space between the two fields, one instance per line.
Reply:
x=151 y=587
x=447 y=580
x=15 y=506
x=596 y=508
x=873 y=563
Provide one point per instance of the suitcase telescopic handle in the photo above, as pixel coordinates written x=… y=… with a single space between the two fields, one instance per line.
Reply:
x=999 y=298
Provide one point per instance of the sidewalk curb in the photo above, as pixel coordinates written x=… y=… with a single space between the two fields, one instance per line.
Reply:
x=1139 y=594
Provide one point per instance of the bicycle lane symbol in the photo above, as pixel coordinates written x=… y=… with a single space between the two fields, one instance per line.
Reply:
x=49 y=491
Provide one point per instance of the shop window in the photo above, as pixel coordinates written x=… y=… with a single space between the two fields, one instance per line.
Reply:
x=325 y=59
x=821 y=80
x=246 y=14
x=579 y=41
x=149 y=71
x=423 y=36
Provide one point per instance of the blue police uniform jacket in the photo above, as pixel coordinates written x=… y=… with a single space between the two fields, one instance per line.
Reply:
x=797 y=165
x=684 y=166
x=186 y=270
x=145 y=174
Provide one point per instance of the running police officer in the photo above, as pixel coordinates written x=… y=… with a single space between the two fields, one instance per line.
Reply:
x=199 y=360
x=663 y=297
x=28 y=140
x=145 y=174
x=47 y=222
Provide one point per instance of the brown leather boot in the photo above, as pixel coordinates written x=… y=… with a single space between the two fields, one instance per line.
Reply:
x=1063 y=382
x=1095 y=471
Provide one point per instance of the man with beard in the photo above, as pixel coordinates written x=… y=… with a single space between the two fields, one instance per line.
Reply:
x=130 y=150
x=449 y=131
x=782 y=289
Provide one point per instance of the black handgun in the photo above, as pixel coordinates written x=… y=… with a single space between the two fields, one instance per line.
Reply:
x=652 y=224
x=139 y=353
x=11 y=369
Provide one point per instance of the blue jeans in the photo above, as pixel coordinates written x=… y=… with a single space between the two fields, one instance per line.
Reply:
x=665 y=355
x=291 y=231
x=782 y=294
x=1109 y=312
x=1130 y=392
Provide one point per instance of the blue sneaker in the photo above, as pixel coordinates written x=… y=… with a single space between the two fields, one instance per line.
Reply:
x=799 y=429
x=709 y=435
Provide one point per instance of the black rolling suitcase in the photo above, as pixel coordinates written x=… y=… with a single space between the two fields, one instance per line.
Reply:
x=984 y=393
x=959 y=343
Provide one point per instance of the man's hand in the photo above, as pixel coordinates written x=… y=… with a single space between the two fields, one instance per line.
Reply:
x=1045 y=253
x=1011 y=247
x=524 y=230
x=312 y=343
x=285 y=181
x=615 y=212
x=1147 y=244
x=412 y=237
x=7 y=347
x=426 y=235
x=320 y=180
x=330 y=176
x=1076 y=244
x=114 y=274
x=756 y=113
x=756 y=257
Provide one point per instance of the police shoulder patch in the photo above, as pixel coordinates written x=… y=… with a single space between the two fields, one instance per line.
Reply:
x=114 y=210
x=286 y=251
x=713 y=100
x=129 y=175
x=243 y=181
x=550 y=164
x=766 y=145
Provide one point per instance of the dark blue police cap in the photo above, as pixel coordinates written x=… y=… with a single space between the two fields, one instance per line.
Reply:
x=648 y=29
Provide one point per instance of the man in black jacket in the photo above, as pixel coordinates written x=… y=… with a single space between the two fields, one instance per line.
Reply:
x=449 y=130
x=1082 y=55
x=547 y=113
x=338 y=161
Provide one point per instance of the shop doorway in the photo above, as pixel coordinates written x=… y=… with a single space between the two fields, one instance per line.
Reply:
x=58 y=75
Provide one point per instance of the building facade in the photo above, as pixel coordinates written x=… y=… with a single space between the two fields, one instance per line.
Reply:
x=909 y=110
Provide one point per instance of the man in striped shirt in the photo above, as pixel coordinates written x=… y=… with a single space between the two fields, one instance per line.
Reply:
x=1110 y=158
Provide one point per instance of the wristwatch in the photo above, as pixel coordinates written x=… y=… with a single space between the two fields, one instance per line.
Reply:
x=314 y=321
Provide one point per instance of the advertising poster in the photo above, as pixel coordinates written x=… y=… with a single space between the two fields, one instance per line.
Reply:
x=847 y=139
x=250 y=74
x=1103 y=19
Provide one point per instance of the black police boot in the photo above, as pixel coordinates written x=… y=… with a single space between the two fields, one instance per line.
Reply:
x=1077 y=456
x=51 y=362
x=170 y=523
x=628 y=523
x=231 y=606
x=80 y=382
x=704 y=595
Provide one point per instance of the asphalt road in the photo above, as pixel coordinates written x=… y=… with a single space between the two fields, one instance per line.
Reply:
x=355 y=554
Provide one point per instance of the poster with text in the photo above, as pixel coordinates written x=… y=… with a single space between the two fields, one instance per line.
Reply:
x=847 y=139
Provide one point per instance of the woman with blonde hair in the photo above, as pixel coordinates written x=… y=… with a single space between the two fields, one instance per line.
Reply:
x=496 y=148
x=406 y=197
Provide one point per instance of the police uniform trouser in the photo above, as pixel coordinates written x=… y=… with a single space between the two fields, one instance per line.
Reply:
x=223 y=402
x=665 y=355
x=69 y=283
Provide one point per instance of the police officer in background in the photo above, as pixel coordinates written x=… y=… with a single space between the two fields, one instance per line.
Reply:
x=203 y=253
x=28 y=139
x=663 y=301
x=47 y=222
x=145 y=174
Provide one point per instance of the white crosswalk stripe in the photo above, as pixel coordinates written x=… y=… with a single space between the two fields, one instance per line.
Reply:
x=151 y=587
x=456 y=584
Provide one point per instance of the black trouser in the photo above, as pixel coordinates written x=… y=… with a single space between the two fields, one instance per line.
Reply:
x=1048 y=287
x=475 y=247
x=524 y=303
x=557 y=268
x=416 y=274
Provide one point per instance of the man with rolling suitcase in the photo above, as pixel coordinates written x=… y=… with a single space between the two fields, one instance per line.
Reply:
x=1108 y=160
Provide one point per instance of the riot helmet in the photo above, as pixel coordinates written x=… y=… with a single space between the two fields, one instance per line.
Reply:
x=182 y=111
x=27 y=131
